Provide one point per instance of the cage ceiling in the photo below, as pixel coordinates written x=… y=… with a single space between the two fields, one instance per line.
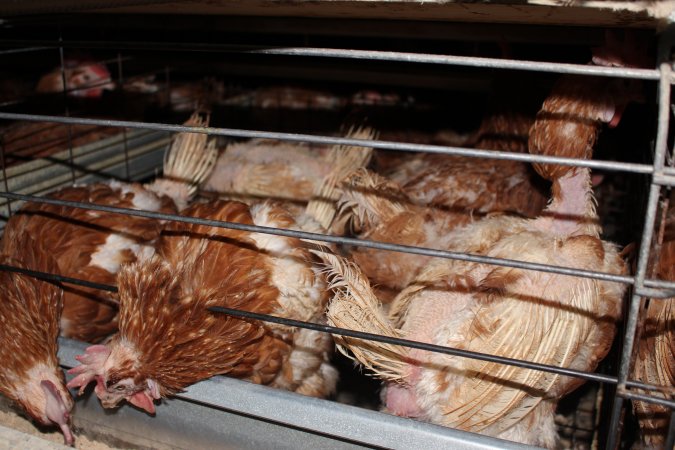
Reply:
x=626 y=13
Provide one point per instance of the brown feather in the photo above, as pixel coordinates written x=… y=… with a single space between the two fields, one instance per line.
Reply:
x=655 y=363
x=569 y=121
x=71 y=236
x=29 y=328
x=171 y=324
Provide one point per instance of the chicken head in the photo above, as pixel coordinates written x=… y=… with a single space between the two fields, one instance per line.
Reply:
x=116 y=380
x=85 y=79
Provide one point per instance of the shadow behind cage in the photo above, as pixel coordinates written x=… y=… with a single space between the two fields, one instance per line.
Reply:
x=61 y=139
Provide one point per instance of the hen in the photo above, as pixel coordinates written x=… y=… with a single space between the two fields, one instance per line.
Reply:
x=471 y=186
x=535 y=316
x=83 y=78
x=655 y=363
x=92 y=245
x=262 y=168
x=29 y=327
x=197 y=267
x=169 y=340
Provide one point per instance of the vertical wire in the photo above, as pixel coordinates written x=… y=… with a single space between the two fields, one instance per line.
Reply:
x=670 y=438
x=4 y=172
x=120 y=77
x=67 y=109
x=643 y=258
x=167 y=80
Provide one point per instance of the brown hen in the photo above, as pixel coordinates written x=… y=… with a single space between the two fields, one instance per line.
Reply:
x=92 y=245
x=169 y=340
x=655 y=363
x=29 y=327
x=422 y=197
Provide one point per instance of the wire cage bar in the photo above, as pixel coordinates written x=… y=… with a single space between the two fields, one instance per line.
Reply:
x=660 y=175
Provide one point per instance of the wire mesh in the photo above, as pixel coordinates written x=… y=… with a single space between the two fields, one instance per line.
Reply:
x=66 y=106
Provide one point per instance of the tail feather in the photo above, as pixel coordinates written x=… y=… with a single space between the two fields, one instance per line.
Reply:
x=345 y=159
x=188 y=161
x=355 y=307
x=368 y=200
x=191 y=156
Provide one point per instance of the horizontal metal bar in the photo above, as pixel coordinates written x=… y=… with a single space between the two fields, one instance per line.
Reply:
x=85 y=87
x=415 y=344
x=589 y=376
x=58 y=278
x=375 y=55
x=645 y=398
x=658 y=294
x=668 y=286
x=650 y=387
x=333 y=239
x=328 y=140
x=343 y=331
x=664 y=179
x=24 y=50
x=667 y=289
x=469 y=61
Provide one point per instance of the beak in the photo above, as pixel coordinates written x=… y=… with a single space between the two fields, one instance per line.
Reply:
x=142 y=400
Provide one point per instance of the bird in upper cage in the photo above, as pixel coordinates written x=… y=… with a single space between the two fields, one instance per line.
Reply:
x=84 y=78
x=93 y=245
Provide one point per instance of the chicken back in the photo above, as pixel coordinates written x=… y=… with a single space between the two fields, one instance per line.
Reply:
x=92 y=245
x=89 y=245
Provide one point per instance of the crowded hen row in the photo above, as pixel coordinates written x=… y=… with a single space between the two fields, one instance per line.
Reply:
x=158 y=335
x=155 y=336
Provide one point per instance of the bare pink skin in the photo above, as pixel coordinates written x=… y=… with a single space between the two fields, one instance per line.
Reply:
x=56 y=410
x=402 y=401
